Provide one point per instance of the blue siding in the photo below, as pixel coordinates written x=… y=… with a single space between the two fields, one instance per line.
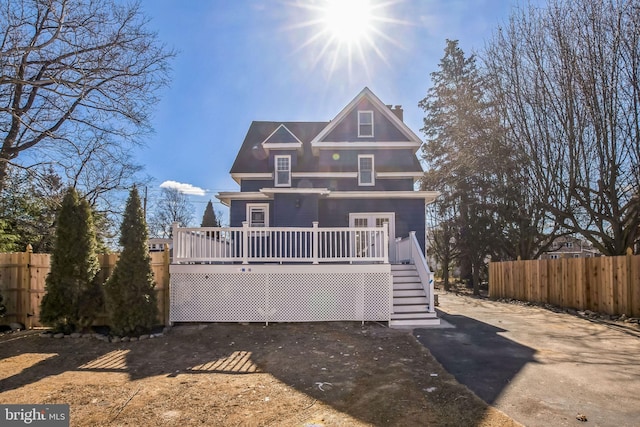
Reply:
x=294 y=210
x=409 y=213
x=291 y=210
x=383 y=129
x=334 y=184
x=251 y=185
x=286 y=210
x=386 y=160
x=238 y=211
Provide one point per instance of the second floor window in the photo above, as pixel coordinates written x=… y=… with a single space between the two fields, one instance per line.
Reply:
x=283 y=171
x=365 y=123
x=365 y=170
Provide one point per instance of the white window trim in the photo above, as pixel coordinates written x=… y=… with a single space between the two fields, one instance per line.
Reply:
x=373 y=170
x=264 y=206
x=275 y=173
x=370 y=113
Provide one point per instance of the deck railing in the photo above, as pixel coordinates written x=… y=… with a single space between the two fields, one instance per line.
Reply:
x=280 y=244
x=408 y=250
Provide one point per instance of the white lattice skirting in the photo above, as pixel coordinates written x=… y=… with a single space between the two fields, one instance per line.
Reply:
x=280 y=293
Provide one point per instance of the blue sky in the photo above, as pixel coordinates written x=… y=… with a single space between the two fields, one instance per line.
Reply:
x=275 y=60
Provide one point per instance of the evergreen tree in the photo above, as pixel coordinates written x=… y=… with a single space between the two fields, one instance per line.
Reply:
x=130 y=290
x=460 y=131
x=73 y=296
x=28 y=208
x=210 y=219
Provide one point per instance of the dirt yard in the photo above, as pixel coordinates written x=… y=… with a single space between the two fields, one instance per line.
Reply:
x=319 y=374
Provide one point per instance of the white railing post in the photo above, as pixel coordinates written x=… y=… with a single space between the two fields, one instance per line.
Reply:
x=316 y=241
x=177 y=243
x=245 y=242
x=385 y=245
x=412 y=238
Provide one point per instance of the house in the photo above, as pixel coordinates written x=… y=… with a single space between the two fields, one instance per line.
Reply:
x=570 y=247
x=158 y=244
x=326 y=225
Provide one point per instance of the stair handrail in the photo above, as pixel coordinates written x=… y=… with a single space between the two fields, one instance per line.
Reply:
x=425 y=274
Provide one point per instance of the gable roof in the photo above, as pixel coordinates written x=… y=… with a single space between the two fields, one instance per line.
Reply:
x=407 y=139
x=281 y=139
x=253 y=152
x=307 y=138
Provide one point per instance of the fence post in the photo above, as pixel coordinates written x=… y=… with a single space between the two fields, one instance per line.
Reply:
x=167 y=283
x=316 y=242
x=245 y=242
x=26 y=289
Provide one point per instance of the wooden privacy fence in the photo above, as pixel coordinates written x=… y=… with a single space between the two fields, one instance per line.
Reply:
x=603 y=284
x=22 y=280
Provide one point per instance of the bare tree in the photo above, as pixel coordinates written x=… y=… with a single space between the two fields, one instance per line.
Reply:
x=567 y=78
x=442 y=237
x=73 y=72
x=172 y=206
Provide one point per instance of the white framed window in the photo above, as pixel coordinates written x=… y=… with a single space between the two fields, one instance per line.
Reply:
x=365 y=124
x=569 y=244
x=282 y=165
x=366 y=170
x=258 y=214
x=554 y=256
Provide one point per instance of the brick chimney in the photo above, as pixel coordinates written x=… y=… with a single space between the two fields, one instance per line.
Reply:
x=397 y=110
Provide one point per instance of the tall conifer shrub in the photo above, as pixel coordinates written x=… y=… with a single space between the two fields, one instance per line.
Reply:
x=130 y=290
x=209 y=218
x=73 y=296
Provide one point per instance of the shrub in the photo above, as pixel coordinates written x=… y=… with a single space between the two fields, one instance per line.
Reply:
x=130 y=290
x=73 y=296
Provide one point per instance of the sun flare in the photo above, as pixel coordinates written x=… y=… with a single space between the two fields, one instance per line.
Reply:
x=347 y=20
x=345 y=35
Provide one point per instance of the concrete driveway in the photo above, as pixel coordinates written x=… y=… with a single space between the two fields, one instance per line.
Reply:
x=539 y=367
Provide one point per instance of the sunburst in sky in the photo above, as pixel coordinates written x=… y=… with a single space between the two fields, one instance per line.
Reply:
x=344 y=33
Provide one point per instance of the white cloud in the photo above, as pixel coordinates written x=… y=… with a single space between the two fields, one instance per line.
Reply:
x=183 y=188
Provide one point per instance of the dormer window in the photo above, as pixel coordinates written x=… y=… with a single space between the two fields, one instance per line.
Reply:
x=282 y=171
x=366 y=170
x=365 y=124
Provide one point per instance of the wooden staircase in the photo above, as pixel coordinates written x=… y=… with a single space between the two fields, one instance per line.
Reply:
x=410 y=303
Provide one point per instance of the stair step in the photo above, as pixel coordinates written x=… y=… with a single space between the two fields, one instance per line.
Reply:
x=406 y=279
x=413 y=272
x=410 y=304
x=414 y=323
x=410 y=308
x=407 y=286
x=403 y=267
x=410 y=300
x=413 y=315
x=408 y=293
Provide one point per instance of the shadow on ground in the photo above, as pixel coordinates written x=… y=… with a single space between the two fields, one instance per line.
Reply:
x=237 y=374
x=476 y=354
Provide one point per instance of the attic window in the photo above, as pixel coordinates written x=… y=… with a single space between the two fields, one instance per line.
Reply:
x=365 y=124
x=283 y=171
x=365 y=170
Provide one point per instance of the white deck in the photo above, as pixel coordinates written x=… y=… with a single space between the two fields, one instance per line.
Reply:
x=291 y=274
x=280 y=293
